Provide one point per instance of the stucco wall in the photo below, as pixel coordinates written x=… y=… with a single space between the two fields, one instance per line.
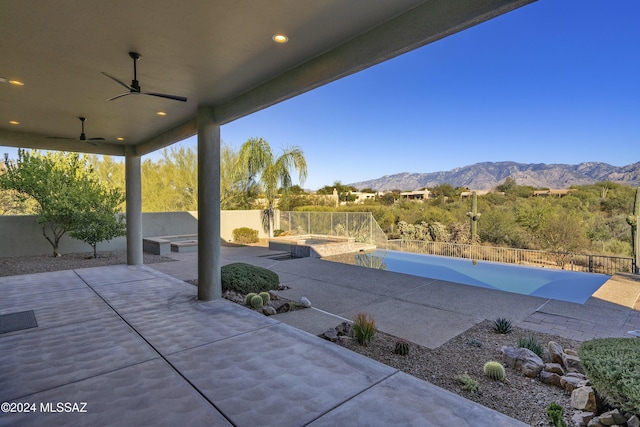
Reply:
x=22 y=235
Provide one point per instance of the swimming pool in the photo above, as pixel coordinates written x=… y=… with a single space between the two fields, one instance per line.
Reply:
x=562 y=285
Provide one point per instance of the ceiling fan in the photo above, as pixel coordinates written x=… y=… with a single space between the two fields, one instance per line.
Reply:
x=83 y=136
x=135 y=89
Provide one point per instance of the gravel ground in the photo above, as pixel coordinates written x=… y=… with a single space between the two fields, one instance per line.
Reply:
x=41 y=264
x=518 y=396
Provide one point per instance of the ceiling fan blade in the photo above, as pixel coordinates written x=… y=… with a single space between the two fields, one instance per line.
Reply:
x=117 y=80
x=119 y=96
x=164 y=95
x=96 y=139
x=95 y=144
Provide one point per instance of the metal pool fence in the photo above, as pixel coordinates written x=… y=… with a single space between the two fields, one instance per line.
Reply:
x=359 y=225
x=565 y=261
x=365 y=229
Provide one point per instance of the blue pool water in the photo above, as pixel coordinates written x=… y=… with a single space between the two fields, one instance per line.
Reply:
x=541 y=282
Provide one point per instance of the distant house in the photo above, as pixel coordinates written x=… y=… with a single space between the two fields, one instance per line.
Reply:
x=415 y=195
x=361 y=197
x=553 y=192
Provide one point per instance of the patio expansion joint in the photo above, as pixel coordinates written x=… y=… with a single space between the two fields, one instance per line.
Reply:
x=160 y=355
x=364 y=390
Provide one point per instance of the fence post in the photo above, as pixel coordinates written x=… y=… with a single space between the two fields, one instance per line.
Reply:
x=590 y=263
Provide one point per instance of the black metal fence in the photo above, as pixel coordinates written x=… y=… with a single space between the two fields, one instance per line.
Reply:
x=564 y=261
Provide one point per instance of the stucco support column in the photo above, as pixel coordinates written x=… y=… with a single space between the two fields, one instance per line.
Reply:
x=134 y=207
x=209 y=283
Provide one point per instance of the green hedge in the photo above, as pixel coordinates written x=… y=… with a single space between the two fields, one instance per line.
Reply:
x=613 y=367
x=245 y=235
x=246 y=278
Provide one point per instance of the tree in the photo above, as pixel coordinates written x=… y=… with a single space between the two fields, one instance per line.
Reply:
x=100 y=220
x=257 y=164
x=63 y=187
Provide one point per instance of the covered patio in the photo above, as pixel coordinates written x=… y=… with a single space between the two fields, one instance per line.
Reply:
x=224 y=59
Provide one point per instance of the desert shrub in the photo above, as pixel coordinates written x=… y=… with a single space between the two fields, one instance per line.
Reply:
x=555 y=413
x=467 y=383
x=501 y=325
x=613 y=367
x=531 y=343
x=246 y=278
x=363 y=328
x=256 y=301
x=245 y=235
x=401 y=348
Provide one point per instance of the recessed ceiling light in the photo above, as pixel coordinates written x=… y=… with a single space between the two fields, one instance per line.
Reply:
x=120 y=138
x=280 y=38
x=161 y=113
x=14 y=122
x=16 y=82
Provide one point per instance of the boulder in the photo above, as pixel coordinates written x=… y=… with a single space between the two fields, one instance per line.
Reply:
x=584 y=398
x=550 y=378
x=634 y=421
x=555 y=352
x=284 y=308
x=572 y=362
x=613 y=417
x=569 y=383
x=556 y=368
x=595 y=422
x=524 y=360
x=581 y=419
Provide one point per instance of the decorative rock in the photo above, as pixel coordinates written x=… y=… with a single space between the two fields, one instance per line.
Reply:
x=613 y=417
x=344 y=328
x=284 y=308
x=556 y=368
x=274 y=295
x=550 y=378
x=577 y=375
x=305 y=302
x=267 y=310
x=344 y=341
x=572 y=362
x=570 y=352
x=555 y=352
x=523 y=359
x=569 y=383
x=595 y=422
x=581 y=419
x=584 y=398
x=330 y=335
x=634 y=421
x=282 y=287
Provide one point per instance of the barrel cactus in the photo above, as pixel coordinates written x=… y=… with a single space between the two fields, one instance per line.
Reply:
x=494 y=370
x=247 y=299
x=265 y=297
x=256 y=301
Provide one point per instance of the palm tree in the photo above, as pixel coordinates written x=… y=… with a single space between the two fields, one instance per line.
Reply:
x=256 y=158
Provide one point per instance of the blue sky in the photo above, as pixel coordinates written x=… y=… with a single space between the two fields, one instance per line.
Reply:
x=556 y=81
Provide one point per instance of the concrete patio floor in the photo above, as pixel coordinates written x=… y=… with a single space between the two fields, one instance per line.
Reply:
x=135 y=345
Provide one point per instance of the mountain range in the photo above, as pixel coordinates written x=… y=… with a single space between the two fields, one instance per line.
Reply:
x=487 y=175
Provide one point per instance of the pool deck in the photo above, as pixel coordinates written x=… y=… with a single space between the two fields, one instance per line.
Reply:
x=139 y=349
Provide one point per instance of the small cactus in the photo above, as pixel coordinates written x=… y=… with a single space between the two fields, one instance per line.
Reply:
x=247 y=299
x=256 y=301
x=401 y=348
x=502 y=326
x=494 y=370
x=265 y=297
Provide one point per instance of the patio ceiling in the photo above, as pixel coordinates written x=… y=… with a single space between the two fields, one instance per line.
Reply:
x=218 y=54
